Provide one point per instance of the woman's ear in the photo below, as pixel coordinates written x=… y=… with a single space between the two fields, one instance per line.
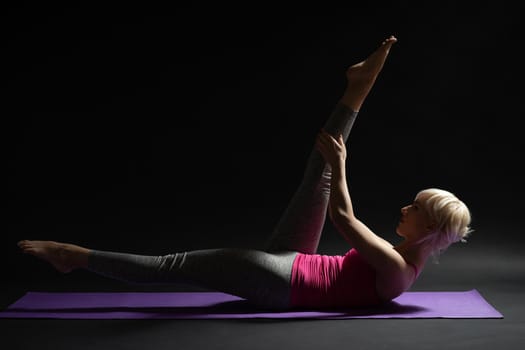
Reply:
x=431 y=227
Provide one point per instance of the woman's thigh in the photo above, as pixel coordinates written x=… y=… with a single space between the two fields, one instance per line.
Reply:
x=262 y=278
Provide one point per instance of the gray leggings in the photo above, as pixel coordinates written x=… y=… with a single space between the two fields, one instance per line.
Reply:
x=260 y=276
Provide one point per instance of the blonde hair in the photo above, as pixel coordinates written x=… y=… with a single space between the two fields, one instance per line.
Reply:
x=451 y=217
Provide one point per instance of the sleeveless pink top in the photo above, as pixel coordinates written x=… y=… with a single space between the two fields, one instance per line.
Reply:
x=322 y=281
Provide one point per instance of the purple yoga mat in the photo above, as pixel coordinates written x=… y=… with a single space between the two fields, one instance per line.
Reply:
x=215 y=305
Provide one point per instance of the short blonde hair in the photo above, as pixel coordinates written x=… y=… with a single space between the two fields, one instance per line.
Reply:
x=451 y=217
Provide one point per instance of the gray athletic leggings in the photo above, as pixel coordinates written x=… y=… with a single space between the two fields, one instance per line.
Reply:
x=260 y=276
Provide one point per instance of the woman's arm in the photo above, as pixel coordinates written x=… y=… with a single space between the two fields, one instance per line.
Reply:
x=374 y=249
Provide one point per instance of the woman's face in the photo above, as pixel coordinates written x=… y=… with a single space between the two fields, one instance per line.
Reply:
x=415 y=222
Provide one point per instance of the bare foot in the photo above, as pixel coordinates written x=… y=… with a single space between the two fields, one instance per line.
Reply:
x=370 y=67
x=64 y=257
x=362 y=76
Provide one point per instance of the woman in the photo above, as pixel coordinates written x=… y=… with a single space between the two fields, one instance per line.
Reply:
x=288 y=273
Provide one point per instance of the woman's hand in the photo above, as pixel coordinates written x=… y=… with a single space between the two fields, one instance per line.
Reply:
x=333 y=150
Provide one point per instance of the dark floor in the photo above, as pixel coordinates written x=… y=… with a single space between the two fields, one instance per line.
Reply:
x=496 y=271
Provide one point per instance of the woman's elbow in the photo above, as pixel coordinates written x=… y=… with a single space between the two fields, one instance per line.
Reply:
x=340 y=217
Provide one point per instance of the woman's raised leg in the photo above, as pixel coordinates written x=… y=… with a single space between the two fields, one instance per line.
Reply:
x=300 y=227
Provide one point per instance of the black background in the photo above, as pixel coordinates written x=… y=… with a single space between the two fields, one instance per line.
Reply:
x=155 y=130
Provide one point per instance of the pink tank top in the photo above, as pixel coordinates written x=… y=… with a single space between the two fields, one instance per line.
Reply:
x=322 y=281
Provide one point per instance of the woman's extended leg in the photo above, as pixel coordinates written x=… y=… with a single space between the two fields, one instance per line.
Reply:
x=300 y=227
x=261 y=278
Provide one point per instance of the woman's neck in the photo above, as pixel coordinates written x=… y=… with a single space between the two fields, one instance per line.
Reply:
x=415 y=253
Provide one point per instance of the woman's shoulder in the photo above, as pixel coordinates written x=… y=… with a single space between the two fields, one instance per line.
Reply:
x=393 y=282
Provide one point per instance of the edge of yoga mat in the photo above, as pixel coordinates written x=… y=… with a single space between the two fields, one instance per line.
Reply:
x=216 y=305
